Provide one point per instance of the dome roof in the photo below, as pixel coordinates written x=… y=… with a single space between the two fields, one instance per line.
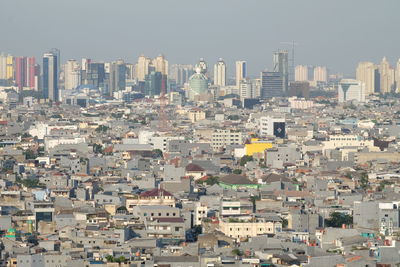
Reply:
x=198 y=76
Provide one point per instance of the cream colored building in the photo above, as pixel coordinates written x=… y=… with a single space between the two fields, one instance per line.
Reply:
x=363 y=157
x=142 y=67
x=160 y=64
x=6 y=67
x=366 y=73
x=301 y=73
x=241 y=71
x=386 y=74
x=249 y=227
x=320 y=74
x=196 y=115
x=398 y=76
x=222 y=138
x=72 y=74
x=340 y=141
x=220 y=73
x=200 y=211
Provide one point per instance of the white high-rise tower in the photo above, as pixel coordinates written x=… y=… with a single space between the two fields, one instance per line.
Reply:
x=220 y=73
x=241 y=71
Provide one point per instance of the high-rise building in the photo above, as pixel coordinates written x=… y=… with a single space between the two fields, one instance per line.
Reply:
x=281 y=65
x=155 y=83
x=6 y=67
x=320 y=74
x=160 y=64
x=301 y=73
x=198 y=83
x=130 y=71
x=50 y=76
x=85 y=63
x=72 y=75
x=94 y=75
x=3 y=66
x=117 y=77
x=142 y=67
x=350 y=90
x=271 y=84
x=203 y=66
x=57 y=52
x=398 y=76
x=241 y=71
x=386 y=76
x=220 y=73
x=247 y=89
x=181 y=73
x=367 y=73
x=25 y=73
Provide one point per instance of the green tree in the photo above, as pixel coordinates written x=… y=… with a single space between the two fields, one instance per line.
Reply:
x=158 y=153
x=26 y=135
x=233 y=117
x=29 y=154
x=383 y=184
x=97 y=148
x=212 y=180
x=285 y=223
x=364 y=181
x=237 y=252
x=102 y=129
x=337 y=219
x=245 y=159
x=237 y=171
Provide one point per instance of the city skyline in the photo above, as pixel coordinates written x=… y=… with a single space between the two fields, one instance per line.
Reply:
x=336 y=46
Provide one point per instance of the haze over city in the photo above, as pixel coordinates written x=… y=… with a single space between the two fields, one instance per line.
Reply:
x=214 y=133
x=337 y=34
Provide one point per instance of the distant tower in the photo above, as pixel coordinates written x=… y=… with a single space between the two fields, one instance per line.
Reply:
x=72 y=75
x=50 y=76
x=25 y=72
x=386 y=74
x=160 y=64
x=142 y=67
x=367 y=72
x=271 y=84
x=398 y=76
x=320 y=74
x=301 y=73
x=241 y=71
x=220 y=73
x=203 y=66
x=281 y=65
x=117 y=78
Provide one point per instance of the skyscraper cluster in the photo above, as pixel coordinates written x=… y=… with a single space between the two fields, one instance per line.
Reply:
x=22 y=72
x=381 y=78
x=154 y=77
x=311 y=74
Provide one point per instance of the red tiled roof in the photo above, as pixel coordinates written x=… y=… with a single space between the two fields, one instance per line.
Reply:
x=156 y=192
x=194 y=168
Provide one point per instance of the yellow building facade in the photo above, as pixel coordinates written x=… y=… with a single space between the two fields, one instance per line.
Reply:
x=257 y=146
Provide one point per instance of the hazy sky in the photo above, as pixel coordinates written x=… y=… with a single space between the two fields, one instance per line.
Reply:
x=335 y=33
